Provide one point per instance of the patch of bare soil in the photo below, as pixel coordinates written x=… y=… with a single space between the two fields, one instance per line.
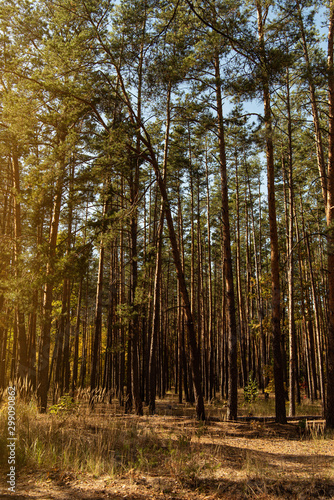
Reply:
x=218 y=460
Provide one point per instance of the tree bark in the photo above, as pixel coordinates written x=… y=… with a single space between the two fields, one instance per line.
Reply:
x=211 y=388
x=290 y=257
x=95 y=359
x=151 y=157
x=157 y=274
x=44 y=350
x=76 y=339
x=315 y=113
x=22 y=367
x=317 y=324
x=232 y=404
x=242 y=322
x=329 y=408
x=274 y=261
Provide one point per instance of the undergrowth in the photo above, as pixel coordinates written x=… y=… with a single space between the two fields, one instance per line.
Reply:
x=69 y=439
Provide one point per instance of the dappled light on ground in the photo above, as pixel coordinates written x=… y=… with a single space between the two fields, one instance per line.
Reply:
x=105 y=454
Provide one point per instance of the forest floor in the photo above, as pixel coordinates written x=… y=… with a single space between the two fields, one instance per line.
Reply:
x=83 y=455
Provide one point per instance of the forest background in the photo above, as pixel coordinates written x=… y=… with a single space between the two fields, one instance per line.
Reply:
x=139 y=252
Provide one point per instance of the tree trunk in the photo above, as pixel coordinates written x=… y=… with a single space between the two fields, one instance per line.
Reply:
x=67 y=331
x=32 y=342
x=275 y=279
x=180 y=324
x=194 y=354
x=242 y=322
x=76 y=339
x=107 y=384
x=58 y=352
x=315 y=114
x=121 y=272
x=330 y=227
x=317 y=324
x=292 y=329
x=210 y=315
x=259 y=301
x=157 y=274
x=22 y=367
x=95 y=360
x=44 y=348
x=3 y=349
x=232 y=404
x=67 y=334
x=151 y=157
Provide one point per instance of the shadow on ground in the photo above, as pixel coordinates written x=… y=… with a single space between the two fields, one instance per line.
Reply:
x=184 y=489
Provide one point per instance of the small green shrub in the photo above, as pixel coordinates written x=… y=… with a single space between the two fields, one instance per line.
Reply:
x=251 y=390
x=65 y=406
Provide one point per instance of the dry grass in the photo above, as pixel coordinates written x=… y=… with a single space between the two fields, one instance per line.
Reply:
x=104 y=454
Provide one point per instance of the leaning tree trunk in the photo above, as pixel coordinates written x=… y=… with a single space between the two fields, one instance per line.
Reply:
x=156 y=292
x=194 y=354
x=151 y=157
